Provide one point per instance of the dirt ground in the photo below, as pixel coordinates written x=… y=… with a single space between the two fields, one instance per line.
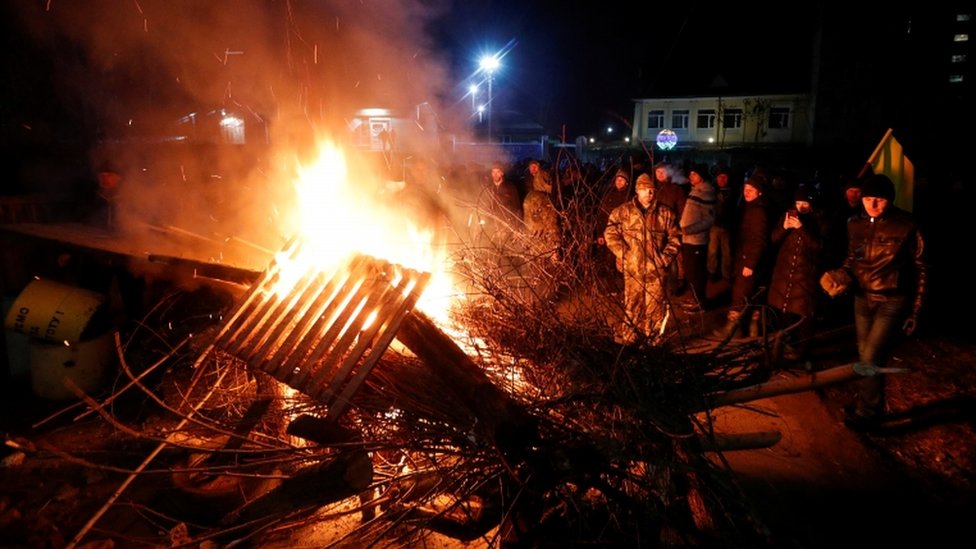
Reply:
x=908 y=482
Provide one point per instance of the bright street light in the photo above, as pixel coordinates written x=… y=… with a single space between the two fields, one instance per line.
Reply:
x=490 y=64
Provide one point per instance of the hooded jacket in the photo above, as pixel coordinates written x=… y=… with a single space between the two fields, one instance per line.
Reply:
x=699 y=214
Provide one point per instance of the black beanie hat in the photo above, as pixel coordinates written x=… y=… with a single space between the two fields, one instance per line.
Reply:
x=623 y=174
x=805 y=193
x=878 y=185
x=702 y=171
x=757 y=181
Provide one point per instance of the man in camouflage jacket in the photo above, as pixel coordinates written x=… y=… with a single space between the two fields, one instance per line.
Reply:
x=645 y=237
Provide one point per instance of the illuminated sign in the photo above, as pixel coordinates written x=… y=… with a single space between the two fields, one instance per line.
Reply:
x=666 y=139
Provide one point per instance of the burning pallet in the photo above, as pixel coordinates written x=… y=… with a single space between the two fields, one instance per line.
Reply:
x=322 y=332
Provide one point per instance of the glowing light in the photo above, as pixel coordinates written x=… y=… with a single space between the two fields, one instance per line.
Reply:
x=667 y=139
x=231 y=121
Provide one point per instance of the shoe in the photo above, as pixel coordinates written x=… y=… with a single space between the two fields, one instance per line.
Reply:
x=728 y=330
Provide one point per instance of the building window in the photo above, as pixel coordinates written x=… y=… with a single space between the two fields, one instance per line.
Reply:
x=655 y=120
x=961 y=17
x=961 y=37
x=732 y=118
x=955 y=78
x=959 y=58
x=679 y=120
x=779 y=118
x=706 y=119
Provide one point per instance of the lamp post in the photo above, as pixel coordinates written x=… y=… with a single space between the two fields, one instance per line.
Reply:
x=489 y=64
x=473 y=90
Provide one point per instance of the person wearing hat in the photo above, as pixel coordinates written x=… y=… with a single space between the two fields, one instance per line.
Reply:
x=538 y=179
x=644 y=236
x=673 y=195
x=696 y=221
x=750 y=268
x=618 y=193
x=720 y=235
x=794 y=287
x=540 y=215
x=886 y=267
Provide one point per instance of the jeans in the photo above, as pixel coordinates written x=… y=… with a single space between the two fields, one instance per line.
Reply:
x=877 y=320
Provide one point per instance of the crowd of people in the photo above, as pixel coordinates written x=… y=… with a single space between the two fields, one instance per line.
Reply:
x=791 y=256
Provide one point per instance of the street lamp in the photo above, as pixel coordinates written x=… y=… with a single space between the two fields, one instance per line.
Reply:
x=489 y=64
x=473 y=90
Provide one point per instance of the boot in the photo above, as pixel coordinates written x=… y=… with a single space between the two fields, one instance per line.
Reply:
x=754 y=325
x=729 y=329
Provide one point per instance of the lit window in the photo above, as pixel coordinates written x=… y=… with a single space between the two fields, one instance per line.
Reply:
x=732 y=118
x=961 y=37
x=959 y=58
x=962 y=17
x=655 y=120
x=706 y=118
x=679 y=120
x=779 y=118
x=955 y=78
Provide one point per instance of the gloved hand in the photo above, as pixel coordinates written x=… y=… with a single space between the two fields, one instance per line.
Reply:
x=909 y=326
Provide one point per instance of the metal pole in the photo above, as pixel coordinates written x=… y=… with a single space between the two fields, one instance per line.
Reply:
x=490 y=78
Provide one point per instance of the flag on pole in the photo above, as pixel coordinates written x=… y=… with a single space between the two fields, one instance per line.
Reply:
x=889 y=159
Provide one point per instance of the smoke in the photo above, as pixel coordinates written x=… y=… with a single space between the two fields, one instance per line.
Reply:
x=151 y=79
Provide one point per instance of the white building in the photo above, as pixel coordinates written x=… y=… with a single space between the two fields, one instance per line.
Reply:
x=723 y=121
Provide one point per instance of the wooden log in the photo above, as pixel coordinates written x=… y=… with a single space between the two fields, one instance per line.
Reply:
x=798 y=384
x=348 y=474
x=502 y=419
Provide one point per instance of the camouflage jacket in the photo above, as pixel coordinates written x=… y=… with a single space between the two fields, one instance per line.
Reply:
x=541 y=219
x=647 y=241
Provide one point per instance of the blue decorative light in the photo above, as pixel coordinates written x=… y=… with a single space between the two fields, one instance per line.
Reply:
x=666 y=139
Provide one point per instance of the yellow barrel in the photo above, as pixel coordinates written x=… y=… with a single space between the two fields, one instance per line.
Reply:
x=51 y=311
x=87 y=364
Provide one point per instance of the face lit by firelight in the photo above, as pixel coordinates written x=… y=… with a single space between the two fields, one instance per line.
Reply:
x=645 y=195
x=750 y=193
x=874 y=205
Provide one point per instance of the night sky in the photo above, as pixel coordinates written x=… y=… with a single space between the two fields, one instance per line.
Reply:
x=581 y=63
x=127 y=64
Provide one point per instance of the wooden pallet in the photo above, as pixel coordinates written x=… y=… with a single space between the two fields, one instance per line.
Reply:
x=323 y=333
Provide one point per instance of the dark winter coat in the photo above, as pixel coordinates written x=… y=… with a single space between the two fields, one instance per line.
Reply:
x=752 y=244
x=886 y=256
x=795 y=285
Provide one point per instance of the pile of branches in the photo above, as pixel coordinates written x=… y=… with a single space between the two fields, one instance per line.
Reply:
x=606 y=444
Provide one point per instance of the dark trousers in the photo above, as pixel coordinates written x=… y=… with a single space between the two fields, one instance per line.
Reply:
x=877 y=321
x=695 y=259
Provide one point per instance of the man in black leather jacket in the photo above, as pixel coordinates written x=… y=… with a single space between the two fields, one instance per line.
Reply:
x=887 y=264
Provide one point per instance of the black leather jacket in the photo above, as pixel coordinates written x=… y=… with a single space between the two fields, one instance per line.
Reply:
x=886 y=255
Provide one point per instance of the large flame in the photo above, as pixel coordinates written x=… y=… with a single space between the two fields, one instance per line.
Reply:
x=338 y=216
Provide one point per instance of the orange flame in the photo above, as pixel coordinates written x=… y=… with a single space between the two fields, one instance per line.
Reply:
x=339 y=215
